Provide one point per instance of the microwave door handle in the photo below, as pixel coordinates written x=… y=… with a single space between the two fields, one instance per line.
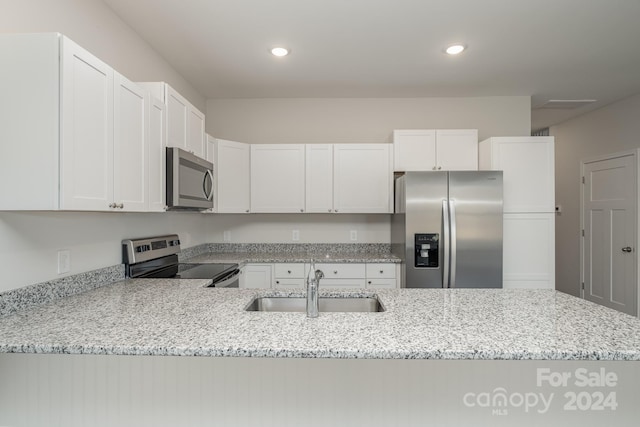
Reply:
x=207 y=176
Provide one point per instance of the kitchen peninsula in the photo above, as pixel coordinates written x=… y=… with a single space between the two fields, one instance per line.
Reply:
x=106 y=343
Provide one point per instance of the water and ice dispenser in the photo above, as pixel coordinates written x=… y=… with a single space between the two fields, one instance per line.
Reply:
x=426 y=250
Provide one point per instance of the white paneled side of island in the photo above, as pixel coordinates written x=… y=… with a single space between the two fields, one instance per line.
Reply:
x=529 y=207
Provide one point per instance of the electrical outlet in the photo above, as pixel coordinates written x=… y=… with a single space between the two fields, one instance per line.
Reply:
x=295 y=235
x=354 y=235
x=64 y=261
x=226 y=236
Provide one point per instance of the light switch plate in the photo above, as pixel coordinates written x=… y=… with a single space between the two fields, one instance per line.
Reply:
x=226 y=236
x=295 y=235
x=354 y=235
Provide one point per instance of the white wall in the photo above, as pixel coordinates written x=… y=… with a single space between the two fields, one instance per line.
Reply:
x=341 y=120
x=28 y=253
x=31 y=240
x=313 y=228
x=610 y=129
x=95 y=27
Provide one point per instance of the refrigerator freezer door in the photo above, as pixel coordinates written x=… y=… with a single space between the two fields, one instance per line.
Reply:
x=425 y=193
x=475 y=200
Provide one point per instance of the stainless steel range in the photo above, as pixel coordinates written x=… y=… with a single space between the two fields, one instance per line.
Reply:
x=157 y=257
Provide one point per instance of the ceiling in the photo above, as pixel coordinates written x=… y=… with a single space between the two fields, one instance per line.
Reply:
x=548 y=49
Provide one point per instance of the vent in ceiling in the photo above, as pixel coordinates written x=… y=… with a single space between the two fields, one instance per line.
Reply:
x=566 y=104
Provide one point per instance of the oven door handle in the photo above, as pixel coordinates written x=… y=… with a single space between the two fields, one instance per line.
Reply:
x=227 y=280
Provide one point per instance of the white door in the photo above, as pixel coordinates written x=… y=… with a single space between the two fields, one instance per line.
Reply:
x=457 y=149
x=86 y=148
x=277 y=178
x=195 y=132
x=255 y=276
x=157 y=153
x=610 y=236
x=130 y=147
x=414 y=150
x=231 y=171
x=177 y=111
x=362 y=178
x=319 y=178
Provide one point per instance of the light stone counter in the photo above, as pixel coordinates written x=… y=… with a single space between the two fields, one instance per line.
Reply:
x=181 y=317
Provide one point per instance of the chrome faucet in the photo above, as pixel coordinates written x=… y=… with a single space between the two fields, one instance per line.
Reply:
x=312 y=290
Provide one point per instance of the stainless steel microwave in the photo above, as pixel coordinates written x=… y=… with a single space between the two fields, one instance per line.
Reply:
x=189 y=181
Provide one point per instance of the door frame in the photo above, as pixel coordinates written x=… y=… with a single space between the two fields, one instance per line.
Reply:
x=602 y=157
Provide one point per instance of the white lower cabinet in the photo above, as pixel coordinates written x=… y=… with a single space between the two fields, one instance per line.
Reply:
x=256 y=276
x=336 y=275
x=529 y=251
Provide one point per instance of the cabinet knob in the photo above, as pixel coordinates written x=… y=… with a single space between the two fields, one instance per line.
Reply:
x=336 y=210
x=335 y=272
x=369 y=282
x=329 y=210
x=381 y=271
x=277 y=282
x=247 y=211
x=289 y=271
x=439 y=167
x=121 y=206
x=112 y=205
x=433 y=168
x=301 y=210
x=627 y=249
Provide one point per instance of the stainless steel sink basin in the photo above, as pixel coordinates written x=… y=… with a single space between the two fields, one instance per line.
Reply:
x=351 y=304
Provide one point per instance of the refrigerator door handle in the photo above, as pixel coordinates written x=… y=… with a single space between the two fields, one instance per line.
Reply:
x=452 y=210
x=445 y=244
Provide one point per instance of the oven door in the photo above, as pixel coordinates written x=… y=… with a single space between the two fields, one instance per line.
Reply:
x=232 y=280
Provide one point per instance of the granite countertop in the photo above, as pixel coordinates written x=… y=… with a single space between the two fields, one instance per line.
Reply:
x=183 y=318
x=287 y=256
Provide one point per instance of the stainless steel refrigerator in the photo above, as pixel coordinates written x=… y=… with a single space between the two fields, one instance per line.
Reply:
x=447 y=228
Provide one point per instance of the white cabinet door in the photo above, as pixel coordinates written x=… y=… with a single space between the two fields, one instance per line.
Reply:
x=195 y=132
x=130 y=148
x=362 y=178
x=528 y=171
x=429 y=149
x=256 y=276
x=414 y=150
x=231 y=172
x=529 y=251
x=157 y=153
x=457 y=149
x=177 y=113
x=86 y=146
x=277 y=178
x=319 y=178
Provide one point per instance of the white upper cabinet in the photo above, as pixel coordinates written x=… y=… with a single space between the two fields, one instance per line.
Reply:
x=130 y=147
x=277 y=178
x=319 y=178
x=429 y=149
x=185 y=123
x=528 y=171
x=231 y=174
x=157 y=138
x=362 y=178
x=77 y=129
x=86 y=145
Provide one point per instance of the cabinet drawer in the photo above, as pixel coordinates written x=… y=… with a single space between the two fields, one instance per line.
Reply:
x=381 y=284
x=342 y=271
x=289 y=270
x=381 y=271
x=341 y=283
x=288 y=283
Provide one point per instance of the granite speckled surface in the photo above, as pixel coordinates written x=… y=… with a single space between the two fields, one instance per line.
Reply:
x=42 y=293
x=181 y=317
x=267 y=253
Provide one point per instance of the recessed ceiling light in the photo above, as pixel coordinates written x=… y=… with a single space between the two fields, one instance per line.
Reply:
x=455 y=49
x=279 y=51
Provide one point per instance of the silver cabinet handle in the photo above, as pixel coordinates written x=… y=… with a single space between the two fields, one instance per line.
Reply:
x=627 y=249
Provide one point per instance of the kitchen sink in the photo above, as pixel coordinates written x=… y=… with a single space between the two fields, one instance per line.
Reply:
x=349 y=304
